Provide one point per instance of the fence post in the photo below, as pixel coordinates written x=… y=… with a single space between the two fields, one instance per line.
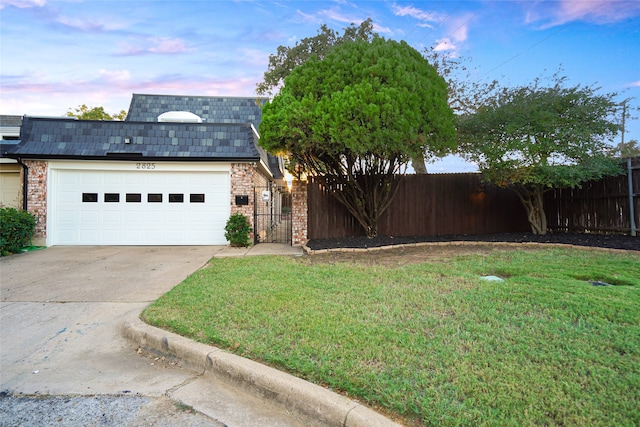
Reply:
x=299 y=208
x=632 y=216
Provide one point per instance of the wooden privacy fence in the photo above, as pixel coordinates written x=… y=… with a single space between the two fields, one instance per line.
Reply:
x=598 y=206
x=425 y=205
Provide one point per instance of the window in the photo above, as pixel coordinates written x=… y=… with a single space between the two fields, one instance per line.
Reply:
x=176 y=198
x=111 y=197
x=196 y=198
x=89 y=197
x=154 y=198
x=134 y=197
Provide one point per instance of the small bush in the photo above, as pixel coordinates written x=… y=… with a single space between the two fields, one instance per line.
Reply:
x=237 y=230
x=16 y=230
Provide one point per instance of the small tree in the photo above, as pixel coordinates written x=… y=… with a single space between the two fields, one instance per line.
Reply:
x=532 y=139
x=355 y=119
x=628 y=149
x=96 y=113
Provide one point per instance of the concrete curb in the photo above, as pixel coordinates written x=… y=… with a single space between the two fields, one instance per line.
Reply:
x=310 y=401
x=310 y=251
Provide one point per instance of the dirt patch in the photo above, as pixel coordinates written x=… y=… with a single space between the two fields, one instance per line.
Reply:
x=397 y=257
x=608 y=241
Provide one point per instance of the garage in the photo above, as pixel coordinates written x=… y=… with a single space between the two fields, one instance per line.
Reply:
x=142 y=181
x=137 y=203
x=9 y=185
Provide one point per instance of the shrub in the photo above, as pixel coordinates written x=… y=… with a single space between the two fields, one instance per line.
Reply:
x=237 y=230
x=16 y=230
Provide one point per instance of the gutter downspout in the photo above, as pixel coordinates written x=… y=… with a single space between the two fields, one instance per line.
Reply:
x=25 y=183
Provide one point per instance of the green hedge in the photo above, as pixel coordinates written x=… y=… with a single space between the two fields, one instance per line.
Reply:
x=16 y=230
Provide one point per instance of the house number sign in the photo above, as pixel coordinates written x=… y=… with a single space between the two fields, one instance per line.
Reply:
x=146 y=166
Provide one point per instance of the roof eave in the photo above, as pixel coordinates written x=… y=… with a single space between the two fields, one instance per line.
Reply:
x=131 y=157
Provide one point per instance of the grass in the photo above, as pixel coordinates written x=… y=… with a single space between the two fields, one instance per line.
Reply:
x=430 y=342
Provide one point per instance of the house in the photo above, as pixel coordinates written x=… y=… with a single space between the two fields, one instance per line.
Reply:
x=10 y=182
x=170 y=174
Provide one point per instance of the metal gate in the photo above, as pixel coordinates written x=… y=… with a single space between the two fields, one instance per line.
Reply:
x=272 y=216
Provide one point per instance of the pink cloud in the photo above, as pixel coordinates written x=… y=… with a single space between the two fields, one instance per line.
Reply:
x=595 y=11
x=110 y=89
x=22 y=4
x=166 y=45
x=154 y=45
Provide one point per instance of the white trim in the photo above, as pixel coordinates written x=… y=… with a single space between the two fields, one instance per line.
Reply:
x=131 y=165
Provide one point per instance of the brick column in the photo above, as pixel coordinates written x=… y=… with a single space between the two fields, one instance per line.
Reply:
x=37 y=197
x=242 y=177
x=299 y=208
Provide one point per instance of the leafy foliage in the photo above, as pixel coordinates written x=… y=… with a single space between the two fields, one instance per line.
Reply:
x=16 y=229
x=628 y=149
x=287 y=58
x=532 y=139
x=83 y=112
x=237 y=230
x=466 y=91
x=357 y=117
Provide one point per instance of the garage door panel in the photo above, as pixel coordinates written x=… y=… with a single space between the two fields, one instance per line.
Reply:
x=112 y=178
x=88 y=179
x=85 y=217
x=152 y=221
x=111 y=217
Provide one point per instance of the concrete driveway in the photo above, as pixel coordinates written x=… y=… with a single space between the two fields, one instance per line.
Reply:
x=60 y=312
x=61 y=309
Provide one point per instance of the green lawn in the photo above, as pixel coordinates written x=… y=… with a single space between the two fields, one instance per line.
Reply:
x=430 y=342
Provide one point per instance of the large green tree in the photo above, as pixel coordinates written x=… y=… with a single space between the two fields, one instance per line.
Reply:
x=286 y=58
x=355 y=119
x=83 y=112
x=467 y=91
x=532 y=139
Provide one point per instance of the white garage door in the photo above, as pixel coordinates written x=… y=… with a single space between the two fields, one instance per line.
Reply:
x=144 y=207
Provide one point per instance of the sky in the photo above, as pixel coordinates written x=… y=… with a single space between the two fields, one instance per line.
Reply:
x=58 y=54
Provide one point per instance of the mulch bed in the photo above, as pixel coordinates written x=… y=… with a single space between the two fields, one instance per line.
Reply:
x=610 y=241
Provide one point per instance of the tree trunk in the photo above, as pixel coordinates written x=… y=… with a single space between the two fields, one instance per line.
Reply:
x=366 y=198
x=419 y=165
x=533 y=202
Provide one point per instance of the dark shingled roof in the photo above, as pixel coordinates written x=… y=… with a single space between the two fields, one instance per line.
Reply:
x=69 y=138
x=10 y=121
x=147 y=108
x=7 y=121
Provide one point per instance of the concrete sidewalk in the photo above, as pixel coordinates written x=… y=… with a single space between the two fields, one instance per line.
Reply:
x=259 y=249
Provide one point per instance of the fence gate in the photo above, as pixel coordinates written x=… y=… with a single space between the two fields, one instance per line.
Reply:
x=272 y=217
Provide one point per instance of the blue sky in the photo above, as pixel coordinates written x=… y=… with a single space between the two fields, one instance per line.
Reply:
x=58 y=54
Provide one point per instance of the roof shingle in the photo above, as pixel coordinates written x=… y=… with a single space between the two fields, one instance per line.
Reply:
x=147 y=108
x=68 y=138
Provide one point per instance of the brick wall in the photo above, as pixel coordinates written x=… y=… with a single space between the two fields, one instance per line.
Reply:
x=37 y=196
x=243 y=179
x=299 y=213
